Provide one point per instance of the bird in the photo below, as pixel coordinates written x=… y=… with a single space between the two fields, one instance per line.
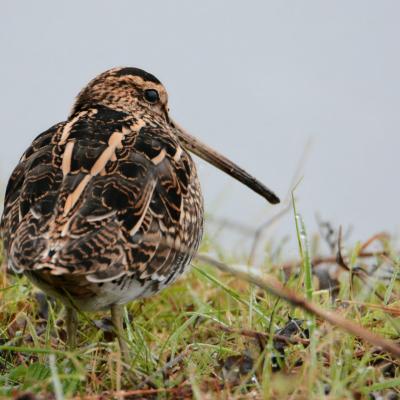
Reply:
x=106 y=207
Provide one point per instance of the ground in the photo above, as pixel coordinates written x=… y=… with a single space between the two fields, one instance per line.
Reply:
x=212 y=335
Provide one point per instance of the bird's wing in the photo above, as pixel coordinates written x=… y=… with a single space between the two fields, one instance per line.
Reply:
x=28 y=186
x=104 y=200
x=143 y=195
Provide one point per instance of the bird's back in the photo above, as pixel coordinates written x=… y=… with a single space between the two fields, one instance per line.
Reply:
x=105 y=204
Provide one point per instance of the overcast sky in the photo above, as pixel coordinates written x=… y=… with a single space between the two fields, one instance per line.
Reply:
x=257 y=80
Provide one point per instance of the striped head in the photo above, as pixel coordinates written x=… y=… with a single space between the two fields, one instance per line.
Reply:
x=135 y=91
x=124 y=89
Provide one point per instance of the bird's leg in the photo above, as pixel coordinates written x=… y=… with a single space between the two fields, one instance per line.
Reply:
x=72 y=328
x=117 y=320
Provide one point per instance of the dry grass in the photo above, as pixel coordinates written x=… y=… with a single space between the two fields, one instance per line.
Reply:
x=213 y=335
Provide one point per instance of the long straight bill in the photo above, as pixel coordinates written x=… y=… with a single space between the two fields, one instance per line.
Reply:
x=206 y=153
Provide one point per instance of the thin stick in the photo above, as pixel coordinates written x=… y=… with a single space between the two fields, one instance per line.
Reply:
x=389 y=310
x=378 y=236
x=316 y=261
x=257 y=335
x=184 y=390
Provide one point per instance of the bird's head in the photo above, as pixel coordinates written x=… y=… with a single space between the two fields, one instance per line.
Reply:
x=132 y=90
x=124 y=89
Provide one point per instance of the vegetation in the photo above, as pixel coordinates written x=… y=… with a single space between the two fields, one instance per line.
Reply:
x=213 y=335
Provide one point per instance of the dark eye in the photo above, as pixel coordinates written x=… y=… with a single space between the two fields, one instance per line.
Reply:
x=151 y=95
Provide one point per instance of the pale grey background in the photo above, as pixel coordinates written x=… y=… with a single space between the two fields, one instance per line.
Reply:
x=255 y=79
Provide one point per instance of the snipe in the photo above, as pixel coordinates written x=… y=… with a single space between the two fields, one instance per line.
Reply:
x=106 y=207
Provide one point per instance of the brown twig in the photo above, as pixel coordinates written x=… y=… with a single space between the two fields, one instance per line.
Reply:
x=264 y=336
x=274 y=287
x=390 y=310
x=339 y=259
x=378 y=236
x=316 y=261
x=339 y=256
x=184 y=390
x=360 y=273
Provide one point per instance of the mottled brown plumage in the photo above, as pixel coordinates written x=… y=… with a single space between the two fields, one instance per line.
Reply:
x=106 y=207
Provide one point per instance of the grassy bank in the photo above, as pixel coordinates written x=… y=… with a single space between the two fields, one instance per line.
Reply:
x=213 y=335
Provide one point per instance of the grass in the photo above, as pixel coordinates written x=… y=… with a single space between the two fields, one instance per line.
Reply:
x=212 y=335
